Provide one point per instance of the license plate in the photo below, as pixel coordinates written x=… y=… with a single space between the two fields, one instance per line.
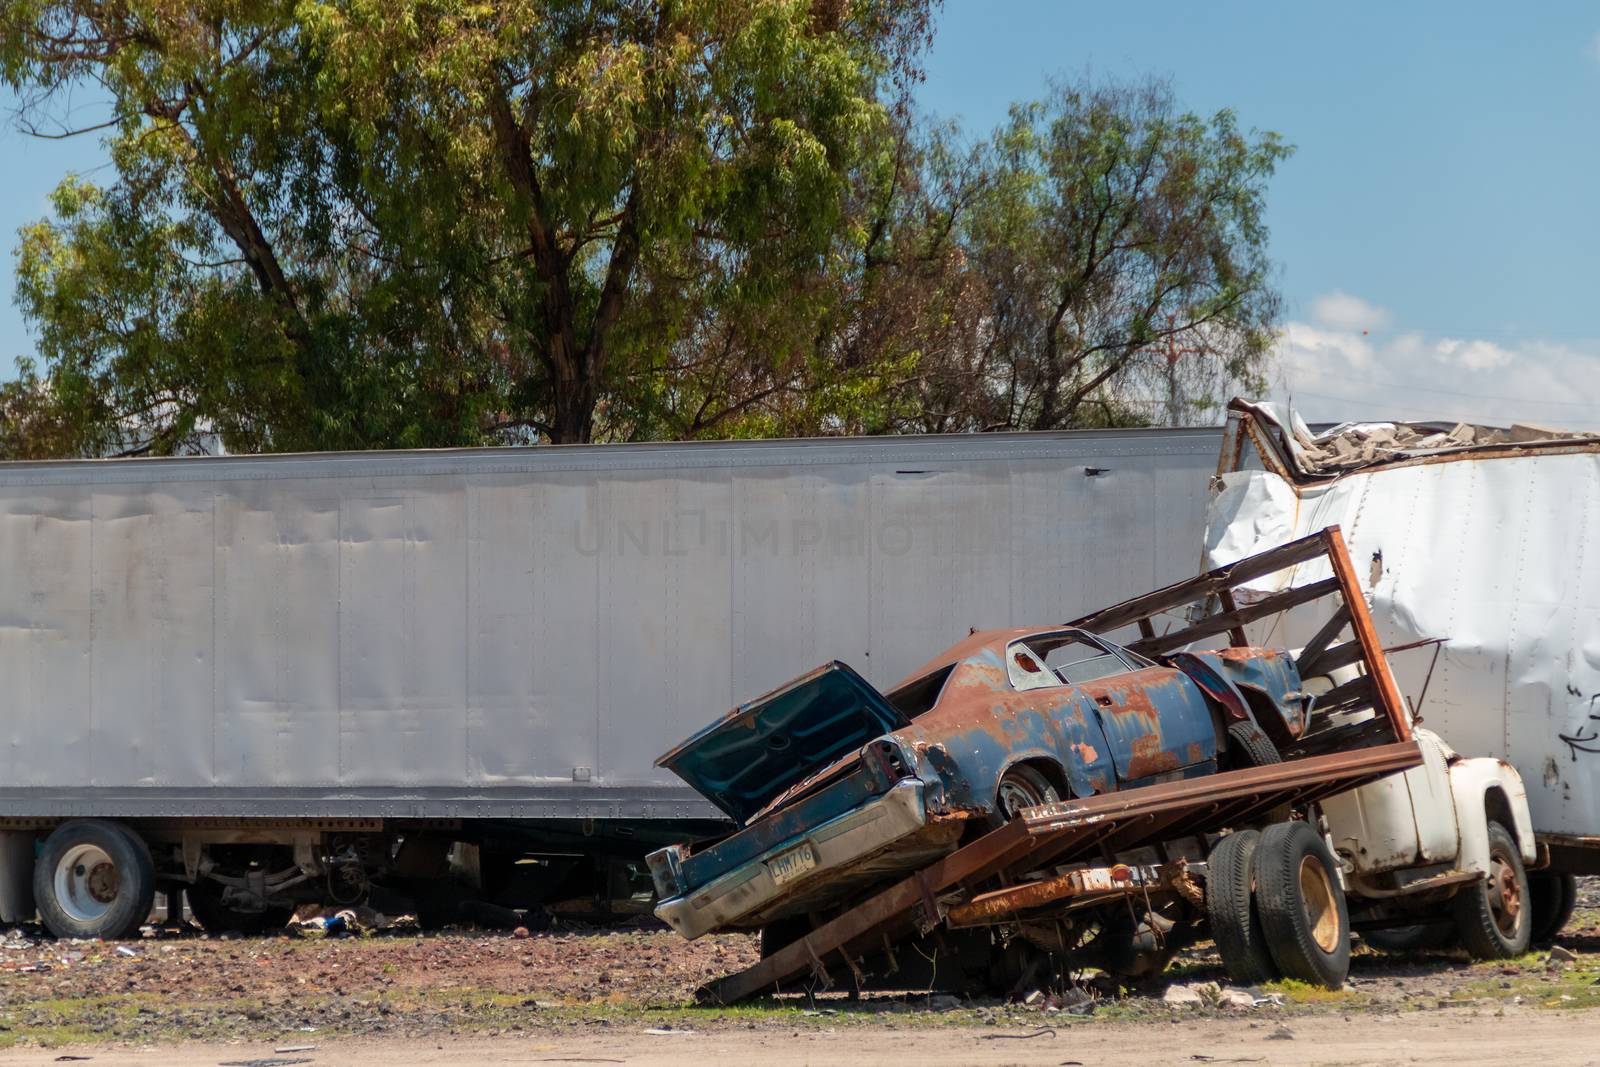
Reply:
x=788 y=866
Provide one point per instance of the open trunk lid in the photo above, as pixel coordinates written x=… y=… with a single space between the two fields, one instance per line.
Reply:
x=759 y=749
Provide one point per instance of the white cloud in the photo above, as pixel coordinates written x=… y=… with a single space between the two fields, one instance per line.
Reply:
x=1340 y=311
x=1473 y=355
x=1338 y=375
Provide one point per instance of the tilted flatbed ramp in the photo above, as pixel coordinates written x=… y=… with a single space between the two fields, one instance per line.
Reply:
x=999 y=867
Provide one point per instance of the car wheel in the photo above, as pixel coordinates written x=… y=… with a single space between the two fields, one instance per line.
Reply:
x=1552 y=896
x=1410 y=938
x=1231 y=909
x=1249 y=746
x=93 y=879
x=1302 y=906
x=1493 y=915
x=1023 y=787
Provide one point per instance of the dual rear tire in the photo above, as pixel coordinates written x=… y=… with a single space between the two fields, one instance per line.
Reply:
x=1277 y=908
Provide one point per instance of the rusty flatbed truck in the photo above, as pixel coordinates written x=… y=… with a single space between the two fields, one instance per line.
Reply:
x=1047 y=874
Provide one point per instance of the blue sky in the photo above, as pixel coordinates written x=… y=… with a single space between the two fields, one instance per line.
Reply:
x=1442 y=198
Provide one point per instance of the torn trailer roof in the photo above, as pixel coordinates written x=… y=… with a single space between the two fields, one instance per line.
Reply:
x=1062 y=861
x=1290 y=448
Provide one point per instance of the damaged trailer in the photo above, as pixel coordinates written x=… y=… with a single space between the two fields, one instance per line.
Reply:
x=1115 y=873
x=1473 y=550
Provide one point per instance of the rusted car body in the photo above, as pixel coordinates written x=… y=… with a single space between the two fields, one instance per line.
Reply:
x=837 y=786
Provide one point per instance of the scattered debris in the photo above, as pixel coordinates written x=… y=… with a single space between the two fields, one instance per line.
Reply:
x=1182 y=996
x=1560 y=954
x=1042 y=1032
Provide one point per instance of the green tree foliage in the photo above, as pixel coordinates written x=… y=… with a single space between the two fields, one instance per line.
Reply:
x=345 y=224
x=339 y=224
x=1099 y=260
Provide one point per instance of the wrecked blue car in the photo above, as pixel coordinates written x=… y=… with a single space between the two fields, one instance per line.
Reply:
x=836 y=786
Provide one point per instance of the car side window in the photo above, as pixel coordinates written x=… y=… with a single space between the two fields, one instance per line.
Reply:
x=1077 y=663
x=1069 y=658
x=1027 y=668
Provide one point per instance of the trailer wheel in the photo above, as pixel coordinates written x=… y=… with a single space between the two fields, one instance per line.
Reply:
x=94 y=879
x=1302 y=906
x=1231 y=908
x=205 y=904
x=1493 y=915
x=1552 y=896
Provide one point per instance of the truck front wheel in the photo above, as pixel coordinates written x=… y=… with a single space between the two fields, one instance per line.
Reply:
x=94 y=879
x=1493 y=915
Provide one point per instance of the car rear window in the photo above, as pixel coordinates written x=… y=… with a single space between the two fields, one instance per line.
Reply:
x=914 y=698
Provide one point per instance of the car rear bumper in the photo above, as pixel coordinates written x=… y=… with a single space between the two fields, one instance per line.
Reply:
x=837 y=844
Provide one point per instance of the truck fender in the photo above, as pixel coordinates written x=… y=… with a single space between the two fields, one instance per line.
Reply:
x=1480 y=785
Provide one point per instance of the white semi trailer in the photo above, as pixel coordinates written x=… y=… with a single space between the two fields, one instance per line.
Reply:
x=267 y=679
x=1475 y=550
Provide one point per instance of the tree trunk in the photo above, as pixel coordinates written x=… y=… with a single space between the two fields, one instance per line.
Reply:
x=572 y=414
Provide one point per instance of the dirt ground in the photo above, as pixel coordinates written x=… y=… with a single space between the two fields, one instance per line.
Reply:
x=584 y=995
x=1459 y=1037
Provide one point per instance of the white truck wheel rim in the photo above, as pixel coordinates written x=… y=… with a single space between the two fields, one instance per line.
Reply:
x=86 y=883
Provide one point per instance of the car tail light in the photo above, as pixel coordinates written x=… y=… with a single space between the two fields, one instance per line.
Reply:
x=887 y=761
x=666 y=870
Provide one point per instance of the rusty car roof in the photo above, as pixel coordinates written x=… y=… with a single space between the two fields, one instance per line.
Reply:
x=974 y=643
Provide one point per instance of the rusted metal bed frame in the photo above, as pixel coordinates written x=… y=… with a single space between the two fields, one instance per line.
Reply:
x=986 y=879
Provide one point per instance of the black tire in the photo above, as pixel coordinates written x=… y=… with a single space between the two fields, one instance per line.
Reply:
x=1231 y=909
x=1399 y=939
x=1249 y=746
x=1302 y=906
x=205 y=904
x=1022 y=787
x=94 y=879
x=1493 y=915
x=1552 y=895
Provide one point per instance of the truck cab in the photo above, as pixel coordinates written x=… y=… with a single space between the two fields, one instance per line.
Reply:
x=1438 y=854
